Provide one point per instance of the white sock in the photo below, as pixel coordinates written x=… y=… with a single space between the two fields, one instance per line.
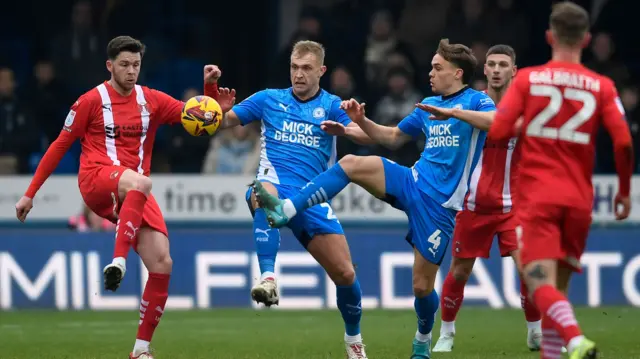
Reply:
x=268 y=275
x=350 y=339
x=120 y=261
x=140 y=347
x=537 y=325
x=288 y=208
x=447 y=327
x=422 y=337
x=574 y=343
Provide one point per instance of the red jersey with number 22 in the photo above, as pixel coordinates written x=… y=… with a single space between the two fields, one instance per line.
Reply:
x=563 y=105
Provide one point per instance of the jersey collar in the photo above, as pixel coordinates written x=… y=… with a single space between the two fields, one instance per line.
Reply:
x=307 y=100
x=455 y=93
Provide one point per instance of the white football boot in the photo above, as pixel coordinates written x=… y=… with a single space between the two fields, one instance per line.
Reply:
x=266 y=291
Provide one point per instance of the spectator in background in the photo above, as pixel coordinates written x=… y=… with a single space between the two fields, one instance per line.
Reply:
x=469 y=23
x=603 y=62
x=19 y=136
x=343 y=86
x=381 y=43
x=399 y=102
x=630 y=98
x=513 y=28
x=78 y=53
x=234 y=152
x=50 y=100
x=88 y=221
x=184 y=152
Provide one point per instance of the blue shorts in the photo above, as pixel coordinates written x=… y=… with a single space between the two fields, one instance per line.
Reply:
x=318 y=219
x=430 y=224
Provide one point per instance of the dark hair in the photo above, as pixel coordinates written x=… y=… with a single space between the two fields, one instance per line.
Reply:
x=502 y=49
x=124 y=43
x=569 y=22
x=459 y=55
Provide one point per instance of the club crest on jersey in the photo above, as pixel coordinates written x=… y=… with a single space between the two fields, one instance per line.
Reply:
x=318 y=112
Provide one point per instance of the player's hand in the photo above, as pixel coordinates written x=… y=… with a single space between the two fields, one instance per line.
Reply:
x=226 y=98
x=437 y=113
x=23 y=207
x=333 y=128
x=622 y=207
x=354 y=110
x=212 y=74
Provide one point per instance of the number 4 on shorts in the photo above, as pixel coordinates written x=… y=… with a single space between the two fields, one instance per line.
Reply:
x=434 y=239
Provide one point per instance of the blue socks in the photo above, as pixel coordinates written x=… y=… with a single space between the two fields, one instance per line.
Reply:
x=321 y=189
x=350 y=305
x=426 y=309
x=267 y=241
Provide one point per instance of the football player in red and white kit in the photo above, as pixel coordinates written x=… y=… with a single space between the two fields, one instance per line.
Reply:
x=488 y=212
x=116 y=123
x=563 y=104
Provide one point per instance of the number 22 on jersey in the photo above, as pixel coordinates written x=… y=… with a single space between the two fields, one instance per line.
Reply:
x=567 y=131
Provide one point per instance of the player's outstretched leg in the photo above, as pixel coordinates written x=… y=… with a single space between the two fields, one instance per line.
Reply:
x=425 y=303
x=153 y=248
x=133 y=189
x=557 y=312
x=366 y=171
x=451 y=300
x=267 y=242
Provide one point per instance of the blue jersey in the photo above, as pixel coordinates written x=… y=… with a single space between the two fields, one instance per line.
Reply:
x=294 y=148
x=452 y=147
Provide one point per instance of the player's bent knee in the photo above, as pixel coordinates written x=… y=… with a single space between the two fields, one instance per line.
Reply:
x=423 y=285
x=461 y=269
x=131 y=181
x=162 y=264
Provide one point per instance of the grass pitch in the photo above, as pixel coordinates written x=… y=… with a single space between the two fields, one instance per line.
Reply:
x=275 y=334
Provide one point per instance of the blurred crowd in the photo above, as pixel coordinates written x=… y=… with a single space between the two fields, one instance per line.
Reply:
x=377 y=51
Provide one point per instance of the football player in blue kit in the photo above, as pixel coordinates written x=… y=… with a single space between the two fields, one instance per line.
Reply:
x=295 y=149
x=430 y=193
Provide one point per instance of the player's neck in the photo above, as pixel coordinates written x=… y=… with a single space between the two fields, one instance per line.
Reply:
x=453 y=89
x=564 y=54
x=305 y=97
x=119 y=89
x=496 y=95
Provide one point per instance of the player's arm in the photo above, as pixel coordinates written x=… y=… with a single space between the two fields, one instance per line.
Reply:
x=75 y=126
x=246 y=112
x=340 y=124
x=615 y=123
x=390 y=137
x=506 y=121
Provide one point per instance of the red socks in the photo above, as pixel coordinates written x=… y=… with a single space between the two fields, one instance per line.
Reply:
x=531 y=313
x=451 y=297
x=557 y=312
x=152 y=304
x=129 y=222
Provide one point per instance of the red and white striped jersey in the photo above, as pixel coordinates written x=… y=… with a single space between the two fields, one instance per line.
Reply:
x=120 y=130
x=494 y=179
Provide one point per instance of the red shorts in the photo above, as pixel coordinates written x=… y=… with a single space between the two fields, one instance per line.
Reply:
x=474 y=232
x=554 y=232
x=99 y=189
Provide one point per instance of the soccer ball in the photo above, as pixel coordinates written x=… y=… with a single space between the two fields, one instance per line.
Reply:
x=201 y=116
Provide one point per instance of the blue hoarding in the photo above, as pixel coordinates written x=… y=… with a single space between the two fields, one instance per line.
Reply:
x=216 y=268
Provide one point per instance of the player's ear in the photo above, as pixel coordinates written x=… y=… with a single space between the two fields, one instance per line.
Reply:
x=323 y=69
x=459 y=74
x=109 y=65
x=514 y=71
x=549 y=37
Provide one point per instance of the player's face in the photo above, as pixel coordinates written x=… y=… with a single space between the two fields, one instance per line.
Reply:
x=444 y=75
x=306 y=71
x=499 y=70
x=125 y=69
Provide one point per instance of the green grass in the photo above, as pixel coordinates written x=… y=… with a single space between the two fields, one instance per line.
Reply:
x=274 y=334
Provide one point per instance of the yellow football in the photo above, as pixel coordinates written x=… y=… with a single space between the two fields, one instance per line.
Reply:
x=201 y=116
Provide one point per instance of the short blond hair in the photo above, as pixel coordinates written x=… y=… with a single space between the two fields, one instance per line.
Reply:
x=304 y=47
